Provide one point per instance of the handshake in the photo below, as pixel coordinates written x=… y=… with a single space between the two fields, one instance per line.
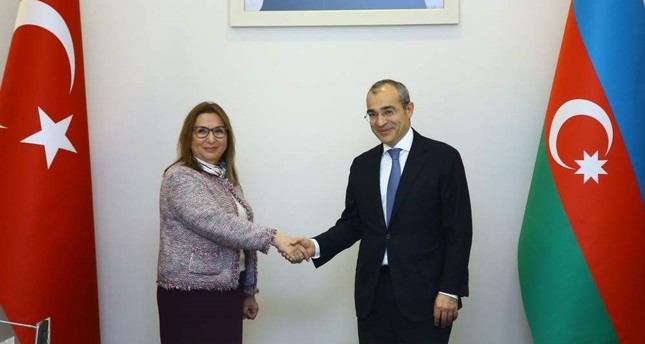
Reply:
x=295 y=249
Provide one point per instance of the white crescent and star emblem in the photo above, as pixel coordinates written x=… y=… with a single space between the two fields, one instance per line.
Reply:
x=52 y=135
x=590 y=166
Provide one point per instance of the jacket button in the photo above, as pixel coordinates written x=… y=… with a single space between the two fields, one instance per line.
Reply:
x=387 y=236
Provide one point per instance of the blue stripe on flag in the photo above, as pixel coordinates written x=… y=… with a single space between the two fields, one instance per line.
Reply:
x=614 y=34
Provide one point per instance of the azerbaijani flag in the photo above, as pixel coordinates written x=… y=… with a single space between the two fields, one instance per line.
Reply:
x=581 y=252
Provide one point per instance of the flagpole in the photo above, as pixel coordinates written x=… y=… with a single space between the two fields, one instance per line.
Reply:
x=17 y=324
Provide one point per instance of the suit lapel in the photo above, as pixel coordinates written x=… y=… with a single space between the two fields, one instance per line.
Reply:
x=373 y=180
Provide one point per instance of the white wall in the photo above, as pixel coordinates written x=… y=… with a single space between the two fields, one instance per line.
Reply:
x=296 y=98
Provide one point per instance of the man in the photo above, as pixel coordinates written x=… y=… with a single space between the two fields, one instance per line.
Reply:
x=412 y=266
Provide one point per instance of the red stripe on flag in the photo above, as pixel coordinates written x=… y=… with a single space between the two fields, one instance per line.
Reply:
x=605 y=211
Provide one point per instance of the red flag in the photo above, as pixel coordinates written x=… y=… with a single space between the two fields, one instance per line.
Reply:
x=47 y=255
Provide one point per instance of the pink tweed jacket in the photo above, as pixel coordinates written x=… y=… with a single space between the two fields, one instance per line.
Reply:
x=202 y=235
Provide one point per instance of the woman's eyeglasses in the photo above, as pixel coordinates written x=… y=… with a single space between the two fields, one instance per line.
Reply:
x=202 y=132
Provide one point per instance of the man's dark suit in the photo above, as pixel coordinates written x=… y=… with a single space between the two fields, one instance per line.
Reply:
x=429 y=236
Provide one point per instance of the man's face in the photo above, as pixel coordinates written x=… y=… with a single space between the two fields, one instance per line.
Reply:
x=391 y=118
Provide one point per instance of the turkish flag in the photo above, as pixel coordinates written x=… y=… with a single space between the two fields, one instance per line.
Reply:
x=47 y=253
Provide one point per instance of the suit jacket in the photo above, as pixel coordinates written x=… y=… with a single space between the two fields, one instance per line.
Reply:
x=429 y=237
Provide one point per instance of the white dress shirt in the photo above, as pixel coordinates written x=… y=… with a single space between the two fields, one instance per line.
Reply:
x=386 y=167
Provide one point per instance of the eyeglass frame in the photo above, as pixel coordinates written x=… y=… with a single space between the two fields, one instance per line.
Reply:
x=387 y=113
x=224 y=131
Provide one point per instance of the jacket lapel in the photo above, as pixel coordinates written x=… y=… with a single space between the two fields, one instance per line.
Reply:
x=373 y=180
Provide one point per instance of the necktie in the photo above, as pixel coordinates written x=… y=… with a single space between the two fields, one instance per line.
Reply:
x=392 y=182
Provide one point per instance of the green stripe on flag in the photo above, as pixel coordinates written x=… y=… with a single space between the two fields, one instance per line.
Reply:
x=561 y=300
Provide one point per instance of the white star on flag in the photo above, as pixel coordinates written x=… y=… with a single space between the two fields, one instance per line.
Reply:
x=591 y=167
x=51 y=136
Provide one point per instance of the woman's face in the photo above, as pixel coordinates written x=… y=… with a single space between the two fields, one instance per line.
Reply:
x=210 y=148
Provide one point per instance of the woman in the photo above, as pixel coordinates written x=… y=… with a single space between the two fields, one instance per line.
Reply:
x=207 y=272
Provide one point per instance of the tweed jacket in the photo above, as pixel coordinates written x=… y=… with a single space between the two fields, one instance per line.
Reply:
x=202 y=235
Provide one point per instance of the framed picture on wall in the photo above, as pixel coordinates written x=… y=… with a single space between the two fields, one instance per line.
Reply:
x=245 y=13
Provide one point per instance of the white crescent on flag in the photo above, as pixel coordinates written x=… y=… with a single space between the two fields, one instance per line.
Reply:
x=572 y=108
x=38 y=13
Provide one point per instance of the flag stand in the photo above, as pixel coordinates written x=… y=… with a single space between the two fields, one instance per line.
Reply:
x=42 y=331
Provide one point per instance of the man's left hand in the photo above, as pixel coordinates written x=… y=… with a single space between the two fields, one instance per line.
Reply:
x=445 y=310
